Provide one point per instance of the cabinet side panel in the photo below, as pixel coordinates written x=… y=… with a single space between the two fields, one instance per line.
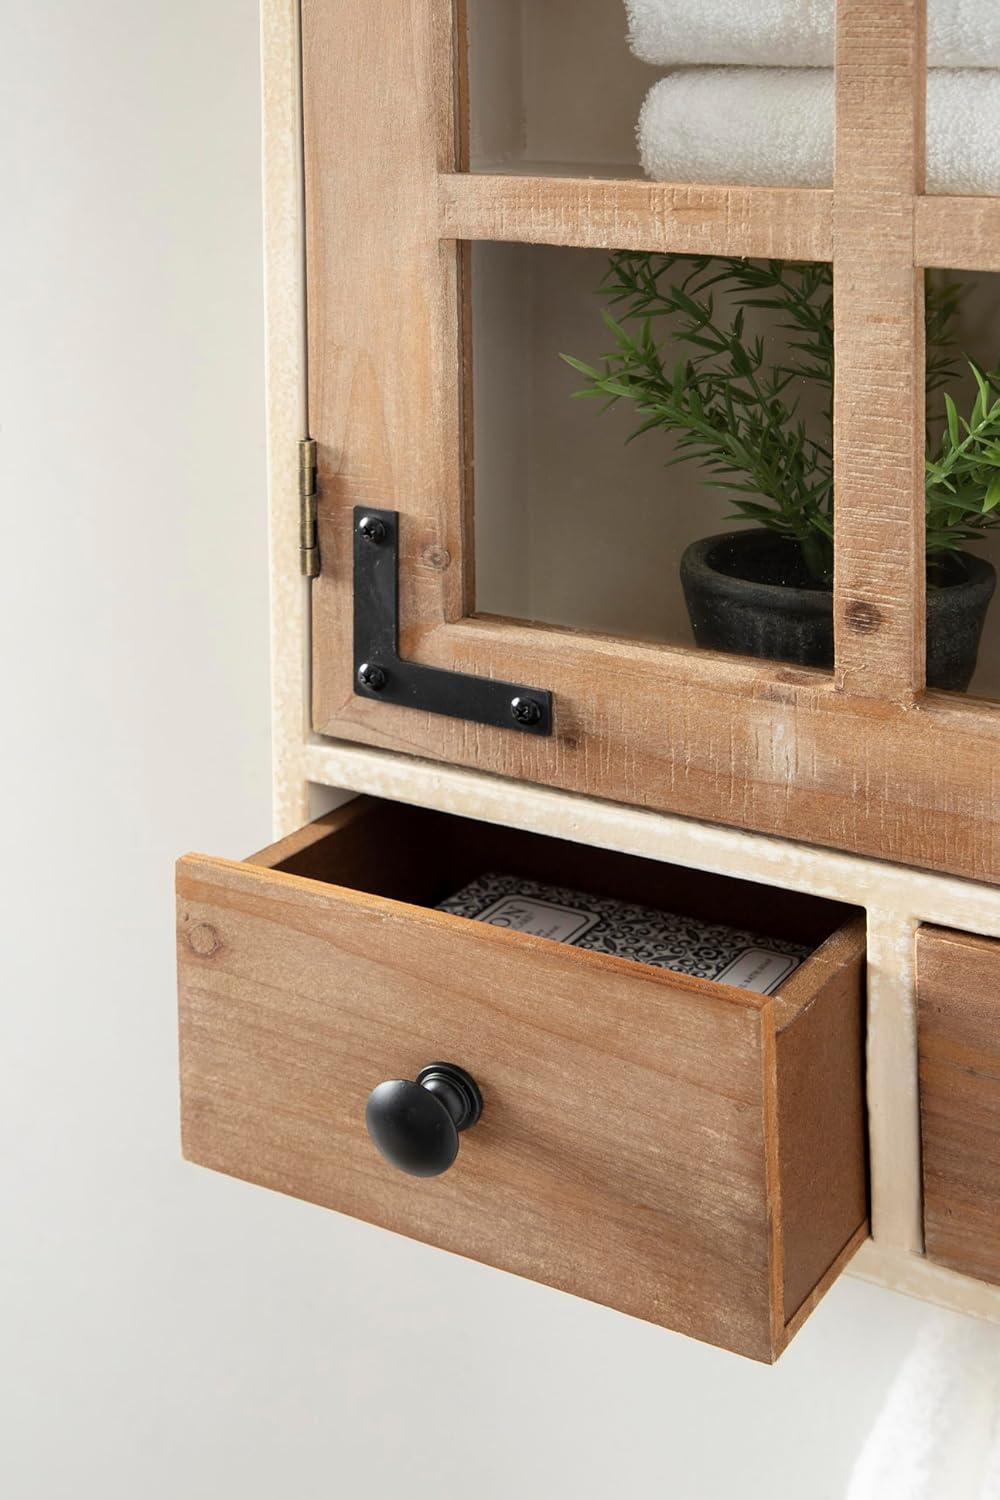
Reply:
x=958 y=1006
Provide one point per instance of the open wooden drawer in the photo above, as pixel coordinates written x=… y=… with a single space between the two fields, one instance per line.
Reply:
x=687 y=1152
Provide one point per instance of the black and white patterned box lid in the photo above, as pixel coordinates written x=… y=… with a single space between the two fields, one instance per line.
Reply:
x=708 y=950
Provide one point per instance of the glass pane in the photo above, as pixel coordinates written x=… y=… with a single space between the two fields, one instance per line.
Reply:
x=963 y=105
x=553 y=88
x=594 y=87
x=963 y=481
x=579 y=526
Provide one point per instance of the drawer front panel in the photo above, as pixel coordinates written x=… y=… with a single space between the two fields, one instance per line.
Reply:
x=633 y=1148
x=958 y=989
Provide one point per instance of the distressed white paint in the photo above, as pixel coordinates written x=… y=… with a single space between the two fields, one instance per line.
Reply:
x=893 y=1099
x=896 y=898
x=893 y=892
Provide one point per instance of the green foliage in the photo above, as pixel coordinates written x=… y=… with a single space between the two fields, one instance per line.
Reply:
x=734 y=405
x=963 y=471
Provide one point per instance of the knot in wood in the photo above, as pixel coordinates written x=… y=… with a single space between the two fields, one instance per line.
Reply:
x=863 y=618
x=435 y=556
x=203 y=939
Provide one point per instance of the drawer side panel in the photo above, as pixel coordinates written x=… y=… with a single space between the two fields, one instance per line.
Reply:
x=821 y=1115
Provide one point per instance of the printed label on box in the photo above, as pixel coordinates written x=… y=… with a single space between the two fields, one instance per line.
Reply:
x=540 y=918
x=757 y=969
x=621 y=929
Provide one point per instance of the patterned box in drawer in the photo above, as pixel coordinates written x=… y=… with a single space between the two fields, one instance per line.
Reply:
x=708 y=950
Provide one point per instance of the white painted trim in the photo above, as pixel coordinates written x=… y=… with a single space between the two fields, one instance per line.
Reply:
x=903 y=1271
x=894 y=891
x=896 y=898
x=893 y=1099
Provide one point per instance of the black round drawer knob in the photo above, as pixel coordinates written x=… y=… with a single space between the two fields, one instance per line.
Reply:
x=416 y=1125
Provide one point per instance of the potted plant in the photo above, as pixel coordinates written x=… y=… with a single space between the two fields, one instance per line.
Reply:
x=735 y=410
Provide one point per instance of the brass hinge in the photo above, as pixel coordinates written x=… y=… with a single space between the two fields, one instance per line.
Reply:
x=308 y=536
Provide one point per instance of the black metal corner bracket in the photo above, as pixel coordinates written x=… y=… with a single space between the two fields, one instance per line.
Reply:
x=380 y=672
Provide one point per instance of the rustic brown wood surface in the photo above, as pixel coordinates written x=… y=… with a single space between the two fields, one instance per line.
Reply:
x=958 y=234
x=634 y=1148
x=764 y=747
x=958 y=996
x=878 y=324
x=385 y=404
x=794 y=223
x=787 y=223
x=821 y=1108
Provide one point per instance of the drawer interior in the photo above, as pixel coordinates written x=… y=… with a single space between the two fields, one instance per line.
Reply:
x=419 y=856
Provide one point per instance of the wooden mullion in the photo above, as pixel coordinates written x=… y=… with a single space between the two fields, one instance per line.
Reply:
x=958 y=234
x=879 y=578
x=589 y=213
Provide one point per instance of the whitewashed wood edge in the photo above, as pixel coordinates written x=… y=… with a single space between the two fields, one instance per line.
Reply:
x=890 y=889
x=892 y=1083
x=915 y=1276
x=284 y=310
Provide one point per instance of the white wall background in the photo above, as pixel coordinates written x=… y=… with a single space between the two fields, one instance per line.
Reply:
x=168 y=1334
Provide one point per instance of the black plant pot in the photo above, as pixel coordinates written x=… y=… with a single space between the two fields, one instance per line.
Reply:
x=748 y=592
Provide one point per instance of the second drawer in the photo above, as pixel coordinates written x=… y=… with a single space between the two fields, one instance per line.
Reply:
x=687 y=1152
x=958 y=1009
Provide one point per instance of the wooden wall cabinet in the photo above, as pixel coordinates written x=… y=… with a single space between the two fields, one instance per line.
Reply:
x=720 y=1134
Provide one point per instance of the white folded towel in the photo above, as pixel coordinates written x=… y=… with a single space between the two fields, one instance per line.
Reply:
x=774 y=127
x=795 y=33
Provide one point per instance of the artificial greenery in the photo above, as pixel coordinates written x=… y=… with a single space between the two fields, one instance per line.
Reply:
x=734 y=404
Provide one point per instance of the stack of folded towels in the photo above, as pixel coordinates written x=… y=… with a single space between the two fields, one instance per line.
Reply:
x=769 y=119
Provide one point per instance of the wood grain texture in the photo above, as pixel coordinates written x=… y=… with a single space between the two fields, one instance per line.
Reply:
x=787 y=223
x=958 y=1000
x=957 y=234
x=879 y=575
x=632 y=1149
x=383 y=293
x=757 y=745
x=821 y=1109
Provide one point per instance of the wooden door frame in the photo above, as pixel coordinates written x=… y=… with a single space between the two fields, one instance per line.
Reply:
x=862 y=759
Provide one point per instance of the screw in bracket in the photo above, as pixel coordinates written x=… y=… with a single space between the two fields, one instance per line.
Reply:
x=525 y=711
x=372 y=676
x=373 y=530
